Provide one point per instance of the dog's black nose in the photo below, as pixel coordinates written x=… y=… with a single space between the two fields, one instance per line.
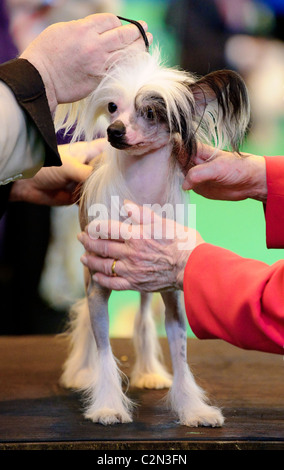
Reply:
x=117 y=135
x=116 y=131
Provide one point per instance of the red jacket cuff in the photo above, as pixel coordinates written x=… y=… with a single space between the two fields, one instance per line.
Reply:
x=274 y=208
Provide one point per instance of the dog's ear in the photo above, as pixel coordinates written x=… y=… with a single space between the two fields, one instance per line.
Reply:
x=222 y=105
x=220 y=114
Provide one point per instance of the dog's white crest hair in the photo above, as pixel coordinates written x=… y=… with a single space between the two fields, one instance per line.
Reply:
x=213 y=109
x=128 y=76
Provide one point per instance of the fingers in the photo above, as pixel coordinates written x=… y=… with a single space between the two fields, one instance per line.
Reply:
x=120 y=37
x=103 y=22
x=79 y=172
x=104 y=248
x=204 y=154
x=200 y=174
x=144 y=216
x=103 y=267
x=98 y=264
x=95 y=148
x=113 y=229
x=83 y=152
x=112 y=283
x=115 y=35
x=73 y=169
x=139 y=44
x=103 y=270
x=105 y=229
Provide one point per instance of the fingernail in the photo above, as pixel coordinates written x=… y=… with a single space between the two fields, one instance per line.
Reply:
x=150 y=37
x=144 y=24
x=185 y=185
x=84 y=259
x=95 y=278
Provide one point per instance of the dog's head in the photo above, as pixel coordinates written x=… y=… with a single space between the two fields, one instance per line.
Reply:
x=141 y=105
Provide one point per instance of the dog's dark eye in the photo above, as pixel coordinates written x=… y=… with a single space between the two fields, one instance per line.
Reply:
x=112 y=107
x=150 y=114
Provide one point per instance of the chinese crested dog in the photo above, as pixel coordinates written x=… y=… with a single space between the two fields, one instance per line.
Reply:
x=153 y=117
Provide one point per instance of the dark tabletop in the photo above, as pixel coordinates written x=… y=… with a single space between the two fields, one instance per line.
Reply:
x=36 y=413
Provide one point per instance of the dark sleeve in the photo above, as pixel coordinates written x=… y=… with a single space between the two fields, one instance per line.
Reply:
x=26 y=83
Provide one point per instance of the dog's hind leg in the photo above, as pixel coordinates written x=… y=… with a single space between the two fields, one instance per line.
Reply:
x=106 y=403
x=185 y=397
x=148 y=371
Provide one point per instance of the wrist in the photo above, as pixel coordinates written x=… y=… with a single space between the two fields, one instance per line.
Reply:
x=17 y=191
x=45 y=76
x=183 y=252
x=257 y=168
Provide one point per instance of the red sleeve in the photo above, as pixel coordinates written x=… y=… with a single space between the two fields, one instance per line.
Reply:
x=274 y=208
x=235 y=299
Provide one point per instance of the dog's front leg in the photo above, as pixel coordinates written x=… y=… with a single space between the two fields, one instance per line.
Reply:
x=106 y=402
x=186 y=398
x=148 y=371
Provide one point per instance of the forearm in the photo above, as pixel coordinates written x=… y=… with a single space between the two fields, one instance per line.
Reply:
x=29 y=92
x=21 y=149
x=235 y=299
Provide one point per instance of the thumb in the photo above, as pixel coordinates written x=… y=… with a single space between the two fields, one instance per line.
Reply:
x=79 y=172
x=204 y=153
x=141 y=215
x=133 y=211
x=200 y=174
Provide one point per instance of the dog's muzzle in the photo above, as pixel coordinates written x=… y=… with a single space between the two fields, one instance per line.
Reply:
x=116 y=133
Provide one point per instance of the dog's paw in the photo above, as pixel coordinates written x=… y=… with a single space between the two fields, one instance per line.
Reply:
x=108 y=416
x=153 y=381
x=203 y=416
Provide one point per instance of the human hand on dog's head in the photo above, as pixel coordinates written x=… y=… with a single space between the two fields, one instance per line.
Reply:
x=56 y=186
x=150 y=252
x=71 y=56
x=223 y=175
